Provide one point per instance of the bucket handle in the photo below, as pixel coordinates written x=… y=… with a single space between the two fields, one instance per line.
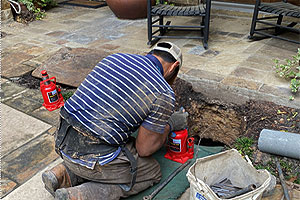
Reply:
x=248 y=160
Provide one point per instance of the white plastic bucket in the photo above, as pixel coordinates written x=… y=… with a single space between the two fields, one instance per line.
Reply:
x=228 y=164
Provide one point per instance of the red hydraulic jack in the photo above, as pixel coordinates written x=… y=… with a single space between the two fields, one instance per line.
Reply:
x=180 y=147
x=51 y=93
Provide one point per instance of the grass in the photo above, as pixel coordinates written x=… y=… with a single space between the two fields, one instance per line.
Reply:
x=244 y=146
x=66 y=95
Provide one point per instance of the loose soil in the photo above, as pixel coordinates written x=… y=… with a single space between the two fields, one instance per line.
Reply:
x=28 y=81
x=222 y=124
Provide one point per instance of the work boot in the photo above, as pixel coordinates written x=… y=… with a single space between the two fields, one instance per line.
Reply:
x=59 y=177
x=90 y=191
x=68 y=194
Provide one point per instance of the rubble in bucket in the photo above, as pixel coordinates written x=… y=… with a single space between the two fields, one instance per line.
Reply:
x=226 y=175
x=225 y=189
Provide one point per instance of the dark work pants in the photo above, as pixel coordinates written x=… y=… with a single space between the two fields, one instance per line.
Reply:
x=104 y=180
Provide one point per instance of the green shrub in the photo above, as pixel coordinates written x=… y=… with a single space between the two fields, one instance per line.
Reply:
x=290 y=70
x=38 y=7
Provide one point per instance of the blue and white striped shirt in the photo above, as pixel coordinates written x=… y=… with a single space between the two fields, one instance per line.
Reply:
x=123 y=92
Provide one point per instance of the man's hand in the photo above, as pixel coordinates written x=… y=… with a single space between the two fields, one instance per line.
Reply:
x=178 y=120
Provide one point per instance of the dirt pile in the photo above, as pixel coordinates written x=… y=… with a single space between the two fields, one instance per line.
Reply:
x=218 y=122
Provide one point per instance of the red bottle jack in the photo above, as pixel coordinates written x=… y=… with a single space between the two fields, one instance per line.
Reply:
x=51 y=94
x=180 y=147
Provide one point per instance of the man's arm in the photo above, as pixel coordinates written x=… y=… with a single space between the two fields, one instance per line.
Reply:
x=148 y=142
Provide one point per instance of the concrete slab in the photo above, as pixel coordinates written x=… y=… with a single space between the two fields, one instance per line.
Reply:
x=185 y=195
x=18 y=128
x=275 y=90
x=34 y=188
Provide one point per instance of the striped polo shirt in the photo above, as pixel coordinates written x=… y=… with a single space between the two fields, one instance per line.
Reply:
x=123 y=92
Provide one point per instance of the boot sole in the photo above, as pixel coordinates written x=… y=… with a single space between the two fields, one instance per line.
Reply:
x=50 y=181
x=61 y=194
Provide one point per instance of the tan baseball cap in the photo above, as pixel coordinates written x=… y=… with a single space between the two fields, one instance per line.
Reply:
x=170 y=48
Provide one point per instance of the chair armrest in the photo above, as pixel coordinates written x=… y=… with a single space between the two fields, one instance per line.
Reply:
x=204 y=2
x=208 y=2
x=258 y=2
x=149 y=4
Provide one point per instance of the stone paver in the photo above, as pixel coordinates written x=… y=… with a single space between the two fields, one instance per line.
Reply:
x=10 y=90
x=18 y=128
x=6 y=185
x=76 y=64
x=23 y=104
x=21 y=98
x=241 y=82
x=33 y=189
x=248 y=73
x=11 y=62
x=205 y=75
x=23 y=163
x=43 y=114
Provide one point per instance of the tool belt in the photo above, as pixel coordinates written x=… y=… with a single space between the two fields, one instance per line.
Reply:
x=80 y=145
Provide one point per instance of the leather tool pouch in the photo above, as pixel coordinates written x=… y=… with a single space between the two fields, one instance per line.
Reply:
x=77 y=145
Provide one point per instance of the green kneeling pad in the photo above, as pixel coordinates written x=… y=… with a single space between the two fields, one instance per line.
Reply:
x=178 y=185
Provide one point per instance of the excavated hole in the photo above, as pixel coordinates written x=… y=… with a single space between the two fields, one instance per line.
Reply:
x=220 y=124
x=207 y=142
x=225 y=123
x=31 y=82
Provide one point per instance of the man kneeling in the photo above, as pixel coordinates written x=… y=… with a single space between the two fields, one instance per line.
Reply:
x=124 y=93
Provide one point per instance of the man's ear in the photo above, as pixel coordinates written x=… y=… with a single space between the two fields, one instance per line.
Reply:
x=174 y=65
x=173 y=73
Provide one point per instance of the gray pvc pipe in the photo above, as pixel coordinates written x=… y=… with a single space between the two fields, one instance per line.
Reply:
x=280 y=143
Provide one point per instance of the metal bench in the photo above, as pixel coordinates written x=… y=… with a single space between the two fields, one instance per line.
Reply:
x=279 y=9
x=161 y=10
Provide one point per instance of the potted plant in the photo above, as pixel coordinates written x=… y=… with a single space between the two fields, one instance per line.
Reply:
x=28 y=10
x=129 y=9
